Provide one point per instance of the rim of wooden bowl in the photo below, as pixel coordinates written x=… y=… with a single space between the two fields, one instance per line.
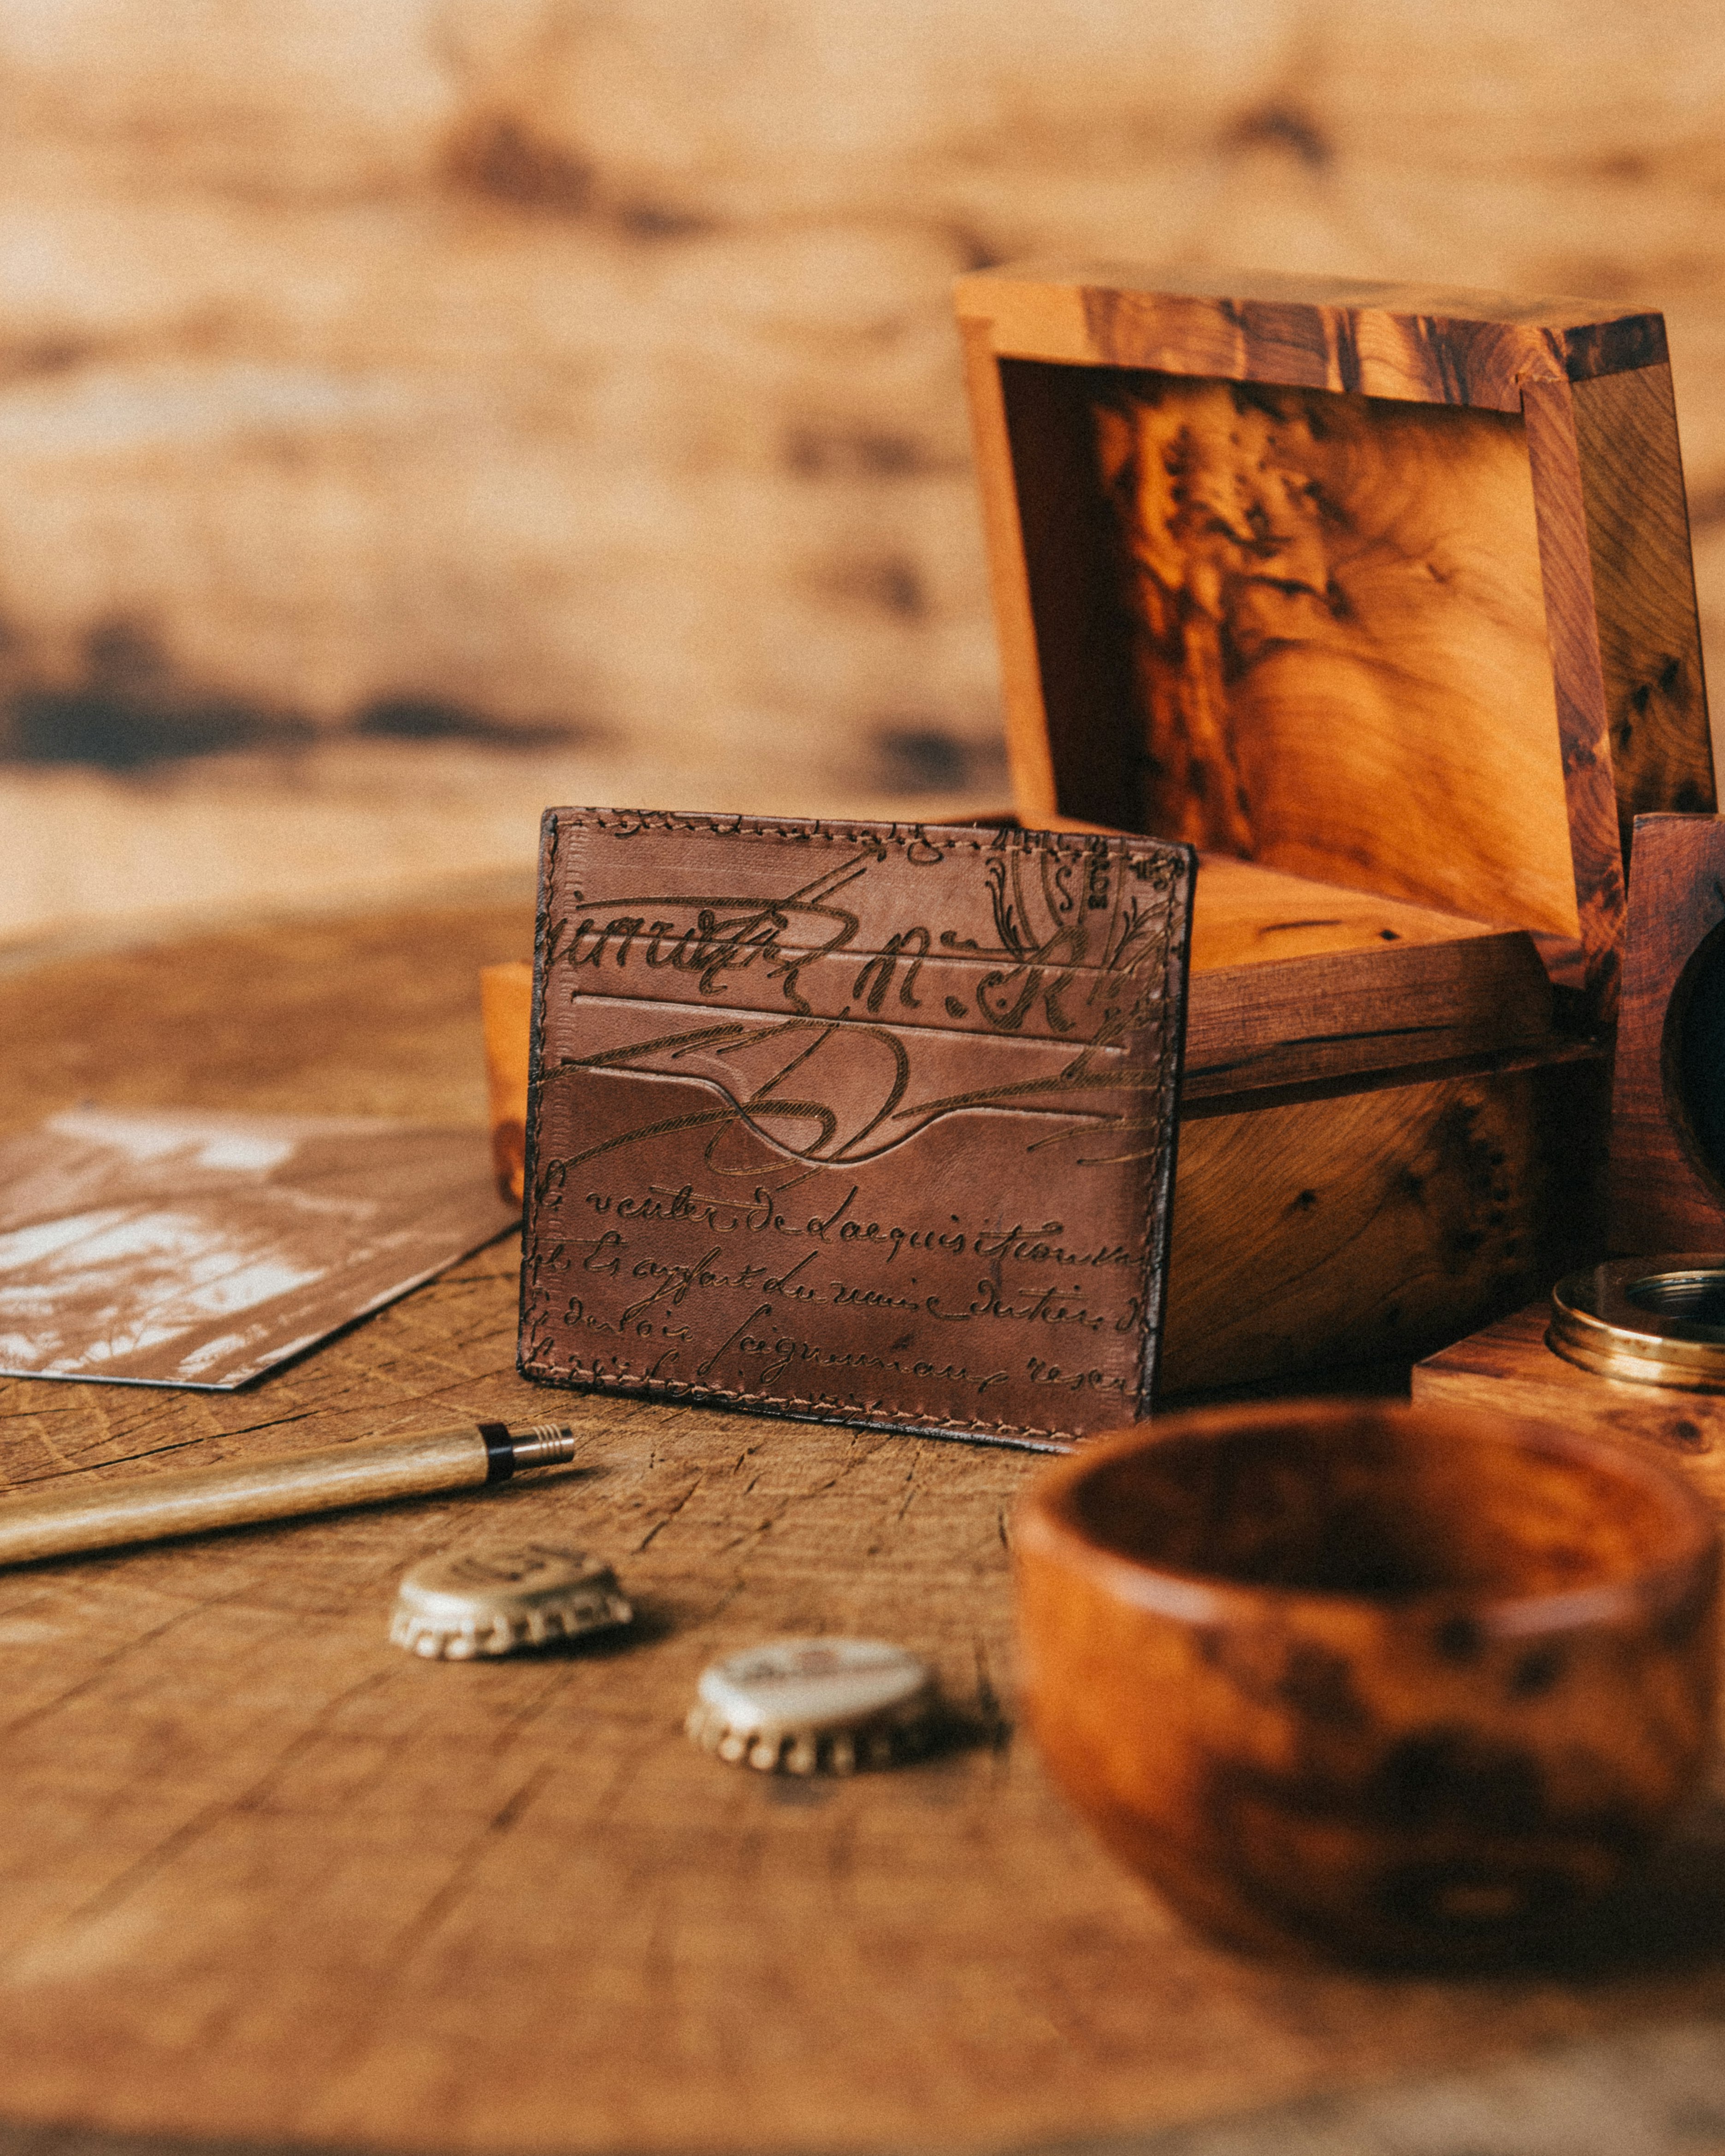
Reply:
x=1047 y=1524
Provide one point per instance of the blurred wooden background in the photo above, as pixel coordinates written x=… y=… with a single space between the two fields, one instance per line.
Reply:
x=415 y=411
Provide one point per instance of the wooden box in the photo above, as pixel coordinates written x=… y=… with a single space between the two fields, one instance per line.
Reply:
x=1382 y=597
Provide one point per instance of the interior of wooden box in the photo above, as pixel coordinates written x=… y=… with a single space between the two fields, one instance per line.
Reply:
x=1306 y=632
x=1247 y=914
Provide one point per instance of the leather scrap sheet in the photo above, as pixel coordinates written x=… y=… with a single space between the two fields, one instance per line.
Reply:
x=859 y=1122
x=188 y=1247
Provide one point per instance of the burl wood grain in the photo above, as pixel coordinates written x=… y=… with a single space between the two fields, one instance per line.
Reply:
x=1578 y=678
x=1644 y=592
x=1325 y=1226
x=1334 y=605
x=1507 y=1366
x=1407 y=1683
x=1666 y=1192
x=1419 y=343
x=266 y=1877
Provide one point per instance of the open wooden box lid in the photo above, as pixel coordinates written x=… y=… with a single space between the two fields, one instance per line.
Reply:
x=1383 y=588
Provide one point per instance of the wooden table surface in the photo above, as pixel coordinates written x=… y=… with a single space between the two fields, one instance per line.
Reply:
x=266 y=1880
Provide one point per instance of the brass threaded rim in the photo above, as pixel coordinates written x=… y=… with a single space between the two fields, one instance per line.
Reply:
x=1598 y=1323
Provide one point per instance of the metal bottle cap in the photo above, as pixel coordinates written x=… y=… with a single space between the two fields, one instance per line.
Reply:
x=802 y=1705
x=494 y=1602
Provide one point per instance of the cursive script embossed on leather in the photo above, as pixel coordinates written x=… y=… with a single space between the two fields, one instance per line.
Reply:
x=865 y=1122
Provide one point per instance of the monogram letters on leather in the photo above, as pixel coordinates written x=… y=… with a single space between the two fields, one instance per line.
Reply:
x=861 y=1122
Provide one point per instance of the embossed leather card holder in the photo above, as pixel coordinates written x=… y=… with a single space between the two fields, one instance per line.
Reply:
x=860 y=1122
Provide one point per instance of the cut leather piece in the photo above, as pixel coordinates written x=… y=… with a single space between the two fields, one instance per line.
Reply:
x=860 y=1122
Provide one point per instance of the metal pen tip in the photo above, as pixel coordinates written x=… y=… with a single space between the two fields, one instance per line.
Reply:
x=543 y=1444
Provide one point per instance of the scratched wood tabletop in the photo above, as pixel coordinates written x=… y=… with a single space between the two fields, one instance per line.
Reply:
x=266 y=1880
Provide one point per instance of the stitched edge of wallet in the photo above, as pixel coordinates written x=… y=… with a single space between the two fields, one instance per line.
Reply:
x=1167 y=1029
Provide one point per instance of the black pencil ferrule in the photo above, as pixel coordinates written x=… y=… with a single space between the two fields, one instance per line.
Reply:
x=500 y=1451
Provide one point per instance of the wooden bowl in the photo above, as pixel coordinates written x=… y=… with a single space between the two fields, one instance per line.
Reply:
x=1412 y=1685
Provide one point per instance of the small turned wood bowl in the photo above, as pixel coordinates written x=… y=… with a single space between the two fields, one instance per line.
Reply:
x=1413 y=1686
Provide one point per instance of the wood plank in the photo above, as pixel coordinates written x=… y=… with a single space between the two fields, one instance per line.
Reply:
x=433 y=543
x=1644 y=594
x=265 y=1014
x=271 y=1879
x=267 y=1879
x=1432 y=345
x=1354 y=1226
x=1369 y=1010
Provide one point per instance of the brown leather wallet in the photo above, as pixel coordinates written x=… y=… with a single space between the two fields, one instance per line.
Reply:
x=857 y=1122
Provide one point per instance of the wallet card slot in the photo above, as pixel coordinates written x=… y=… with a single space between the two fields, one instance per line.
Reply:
x=653 y=1015
x=970 y=996
x=862 y=1110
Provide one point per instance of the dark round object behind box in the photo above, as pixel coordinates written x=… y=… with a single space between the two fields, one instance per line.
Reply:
x=1411 y=1685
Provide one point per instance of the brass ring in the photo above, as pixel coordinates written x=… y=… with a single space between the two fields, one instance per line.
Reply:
x=1653 y=1321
